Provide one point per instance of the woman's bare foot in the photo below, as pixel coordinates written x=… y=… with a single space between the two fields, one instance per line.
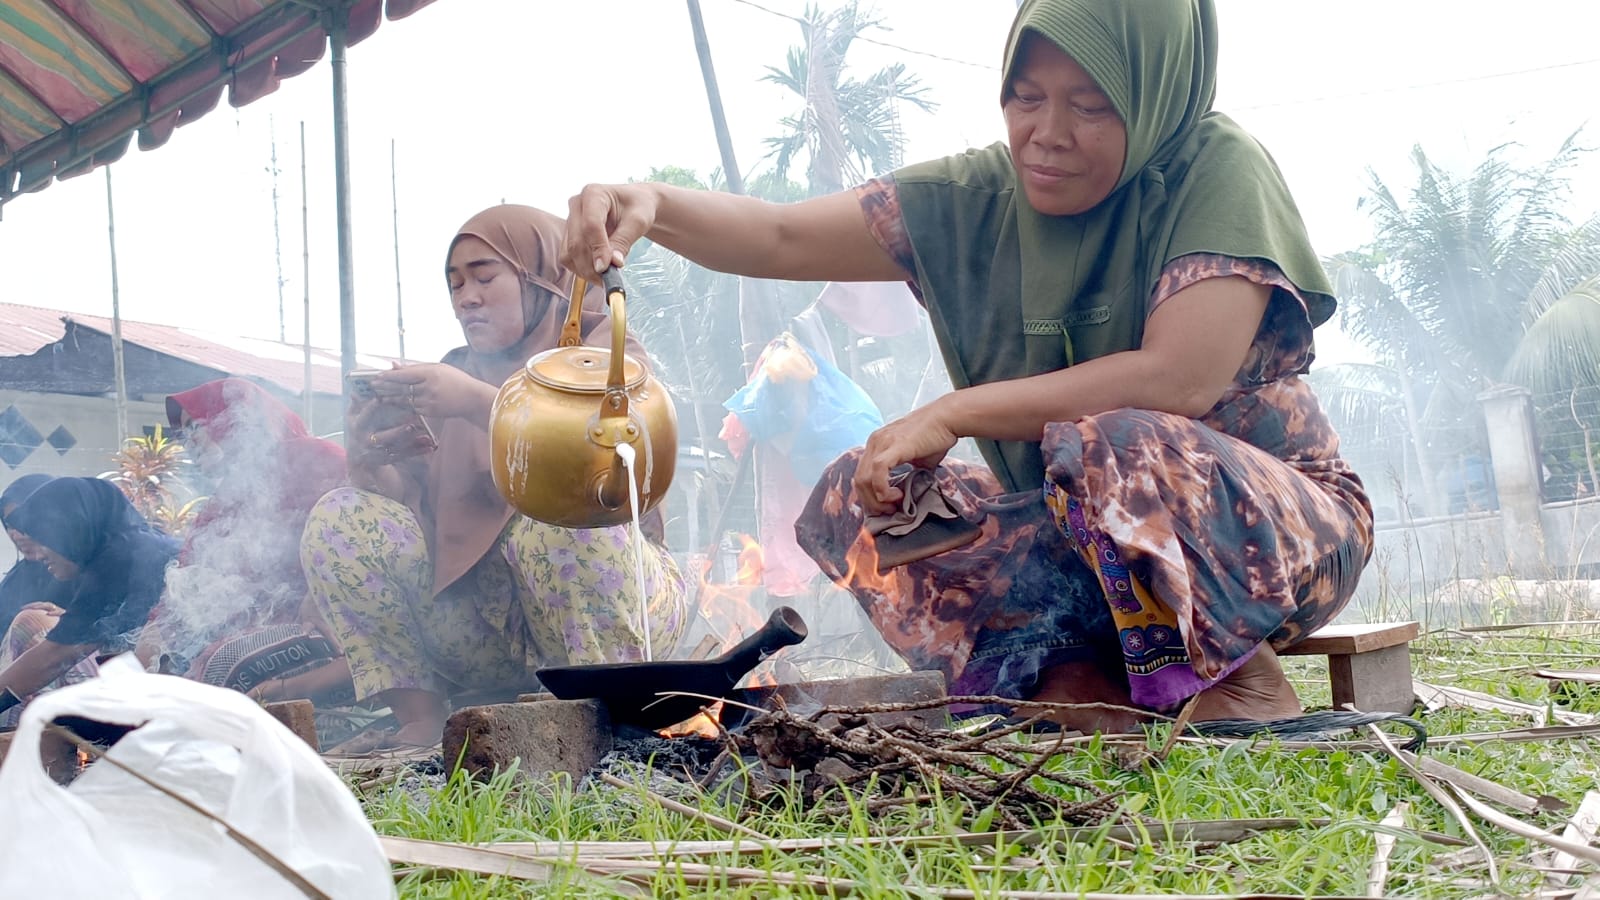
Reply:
x=1085 y=683
x=421 y=715
x=1257 y=690
x=421 y=733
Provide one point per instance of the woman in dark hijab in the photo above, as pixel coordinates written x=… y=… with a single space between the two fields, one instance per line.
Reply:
x=1124 y=295
x=85 y=532
x=29 y=583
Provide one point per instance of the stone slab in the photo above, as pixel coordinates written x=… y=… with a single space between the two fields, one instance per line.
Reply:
x=542 y=737
x=1343 y=640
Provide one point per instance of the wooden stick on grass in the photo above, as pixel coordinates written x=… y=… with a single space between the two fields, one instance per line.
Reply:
x=475 y=859
x=1378 y=872
x=717 y=822
x=1438 y=793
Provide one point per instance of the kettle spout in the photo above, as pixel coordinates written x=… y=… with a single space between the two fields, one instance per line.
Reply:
x=613 y=493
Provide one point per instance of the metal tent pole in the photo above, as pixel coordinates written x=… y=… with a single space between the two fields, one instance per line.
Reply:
x=305 y=280
x=341 y=197
x=394 y=206
x=118 y=372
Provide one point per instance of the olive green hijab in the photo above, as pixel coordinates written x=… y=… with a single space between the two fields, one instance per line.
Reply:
x=1013 y=292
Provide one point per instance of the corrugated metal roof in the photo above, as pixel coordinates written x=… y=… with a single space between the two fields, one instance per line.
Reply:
x=27 y=329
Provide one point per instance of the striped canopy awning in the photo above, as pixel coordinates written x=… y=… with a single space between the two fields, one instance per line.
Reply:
x=78 y=78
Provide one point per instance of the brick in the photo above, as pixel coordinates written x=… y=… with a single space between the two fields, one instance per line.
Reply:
x=543 y=736
x=300 y=717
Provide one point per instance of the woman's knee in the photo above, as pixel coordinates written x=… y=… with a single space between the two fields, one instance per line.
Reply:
x=30 y=626
x=347 y=523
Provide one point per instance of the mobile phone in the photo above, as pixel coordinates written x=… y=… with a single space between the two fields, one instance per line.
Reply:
x=360 y=381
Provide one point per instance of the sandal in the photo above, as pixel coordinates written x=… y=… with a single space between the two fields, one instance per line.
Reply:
x=1314 y=726
x=380 y=742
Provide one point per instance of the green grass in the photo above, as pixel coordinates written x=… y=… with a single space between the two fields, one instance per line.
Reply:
x=1353 y=789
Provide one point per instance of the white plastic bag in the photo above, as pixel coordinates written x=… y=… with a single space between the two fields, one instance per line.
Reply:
x=110 y=835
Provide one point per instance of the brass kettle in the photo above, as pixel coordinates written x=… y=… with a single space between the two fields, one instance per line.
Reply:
x=557 y=424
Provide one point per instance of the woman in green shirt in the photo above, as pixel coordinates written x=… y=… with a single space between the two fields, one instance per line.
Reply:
x=1124 y=295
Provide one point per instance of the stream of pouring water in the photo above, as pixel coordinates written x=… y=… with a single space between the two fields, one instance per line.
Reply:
x=626 y=452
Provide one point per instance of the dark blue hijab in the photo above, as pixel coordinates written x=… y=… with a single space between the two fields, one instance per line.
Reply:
x=28 y=581
x=121 y=560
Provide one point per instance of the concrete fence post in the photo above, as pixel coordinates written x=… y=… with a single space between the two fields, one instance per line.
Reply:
x=1514 y=455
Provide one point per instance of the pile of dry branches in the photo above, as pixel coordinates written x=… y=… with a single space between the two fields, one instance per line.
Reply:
x=884 y=759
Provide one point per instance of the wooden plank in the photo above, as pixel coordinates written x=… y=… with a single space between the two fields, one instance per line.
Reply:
x=1343 y=640
x=1483 y=787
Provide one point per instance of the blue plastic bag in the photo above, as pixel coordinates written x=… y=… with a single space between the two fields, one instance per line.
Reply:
x=825 y=416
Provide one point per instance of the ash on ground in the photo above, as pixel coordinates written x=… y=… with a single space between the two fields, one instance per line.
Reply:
x=686 y=758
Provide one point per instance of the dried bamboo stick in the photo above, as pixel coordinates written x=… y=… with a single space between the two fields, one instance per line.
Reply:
x=1580 y=829
x=1519 y=827
x=476 y=859
x=1378 y=872
x=723 y=825
x=1444 y=799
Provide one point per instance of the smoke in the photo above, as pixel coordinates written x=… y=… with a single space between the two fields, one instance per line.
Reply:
x=241 y=563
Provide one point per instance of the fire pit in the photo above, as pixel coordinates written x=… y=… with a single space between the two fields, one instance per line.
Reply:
x=545 y=735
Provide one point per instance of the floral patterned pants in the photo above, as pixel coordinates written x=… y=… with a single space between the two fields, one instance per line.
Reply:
x=542 y=596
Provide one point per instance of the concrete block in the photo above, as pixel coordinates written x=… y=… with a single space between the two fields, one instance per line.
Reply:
x=300 y=717
x=546 y=736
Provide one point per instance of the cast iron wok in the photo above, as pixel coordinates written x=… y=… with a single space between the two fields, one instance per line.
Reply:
x=629 y=690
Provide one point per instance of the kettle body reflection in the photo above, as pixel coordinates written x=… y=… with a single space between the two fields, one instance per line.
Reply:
x=556 y=425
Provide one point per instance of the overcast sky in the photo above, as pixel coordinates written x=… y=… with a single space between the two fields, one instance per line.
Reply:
x=527 y=100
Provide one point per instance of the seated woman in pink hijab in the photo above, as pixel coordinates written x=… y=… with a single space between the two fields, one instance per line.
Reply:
x=430 y=581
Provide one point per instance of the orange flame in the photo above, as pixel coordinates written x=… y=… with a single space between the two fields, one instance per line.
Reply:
x=861 y=568
x=752 y=561
x=702 y=725
x=732 y=615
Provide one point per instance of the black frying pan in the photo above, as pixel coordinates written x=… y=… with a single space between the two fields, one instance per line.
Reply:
x=629 y=690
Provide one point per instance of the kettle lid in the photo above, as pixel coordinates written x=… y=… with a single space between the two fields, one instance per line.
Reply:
x=582 y=369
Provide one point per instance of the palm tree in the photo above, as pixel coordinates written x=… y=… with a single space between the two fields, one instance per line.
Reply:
x=1452 y=292
x=848 y=129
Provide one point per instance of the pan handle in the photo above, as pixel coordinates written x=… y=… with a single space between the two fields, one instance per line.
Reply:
x=784 y=628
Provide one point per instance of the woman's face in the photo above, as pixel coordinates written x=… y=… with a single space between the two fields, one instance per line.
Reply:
x=486 y=294
x=61 y=568
x=202 y=449
x=1067 y=142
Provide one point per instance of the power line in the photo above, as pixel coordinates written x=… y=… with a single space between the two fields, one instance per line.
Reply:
x=1303 y=101
x=948 y=59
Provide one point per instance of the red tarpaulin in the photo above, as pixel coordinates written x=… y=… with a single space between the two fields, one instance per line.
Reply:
x=79 y=77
